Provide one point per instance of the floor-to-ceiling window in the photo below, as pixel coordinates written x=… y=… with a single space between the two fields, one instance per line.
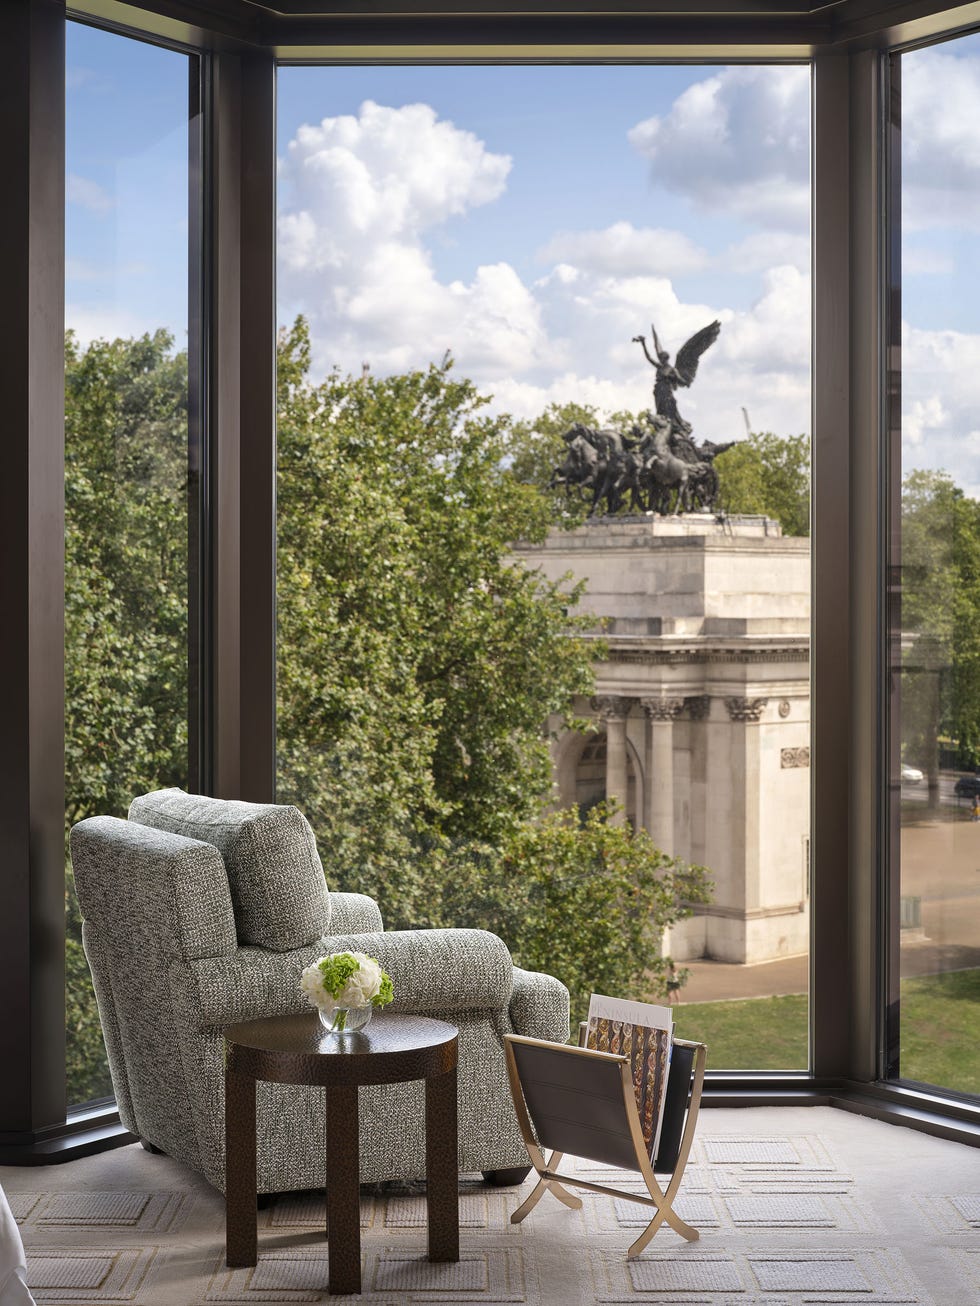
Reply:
x=475 y=263
x=933 y=1033
x=130 y=487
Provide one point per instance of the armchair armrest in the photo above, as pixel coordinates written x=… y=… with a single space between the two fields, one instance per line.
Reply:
x=354 y=913
x=431 y=970
x=439 y=970
x=539 y=1006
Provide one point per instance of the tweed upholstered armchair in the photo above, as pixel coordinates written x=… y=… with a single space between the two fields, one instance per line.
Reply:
x=199 y=913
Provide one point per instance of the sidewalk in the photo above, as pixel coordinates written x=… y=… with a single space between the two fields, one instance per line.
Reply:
x=712 y=980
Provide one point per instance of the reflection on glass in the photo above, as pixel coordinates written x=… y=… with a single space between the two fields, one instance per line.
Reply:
x=935 y=1038
x=467 y=259
x=126 y=457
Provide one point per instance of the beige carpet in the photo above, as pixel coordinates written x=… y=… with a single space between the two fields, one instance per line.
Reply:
x=796 y=1206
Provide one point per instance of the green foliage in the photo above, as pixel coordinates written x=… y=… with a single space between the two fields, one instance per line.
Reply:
x=125 y=612
x=417 y=660
x=586 y=901
x=940 y=618
x=769 y=474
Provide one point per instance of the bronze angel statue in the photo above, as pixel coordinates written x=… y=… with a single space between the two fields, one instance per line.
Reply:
x=681 y=372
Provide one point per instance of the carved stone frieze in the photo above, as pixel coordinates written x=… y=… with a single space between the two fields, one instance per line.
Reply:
x=746 y=709
x=673 y=657
x=662 y=709
x=784 y=708
x=789 y=757
x=614 y=707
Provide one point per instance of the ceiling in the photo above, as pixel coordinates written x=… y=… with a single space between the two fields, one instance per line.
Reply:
x=299 y=30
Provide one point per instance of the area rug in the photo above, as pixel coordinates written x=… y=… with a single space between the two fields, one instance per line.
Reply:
x=796 y=1207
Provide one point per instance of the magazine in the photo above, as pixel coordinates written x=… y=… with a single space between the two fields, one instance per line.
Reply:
x=644 y=1033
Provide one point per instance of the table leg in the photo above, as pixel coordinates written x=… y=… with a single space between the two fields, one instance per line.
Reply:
x=343 y=1190
x=442 y=1167
x=241 y=1237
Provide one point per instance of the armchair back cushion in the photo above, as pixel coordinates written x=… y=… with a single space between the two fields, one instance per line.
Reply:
x=277 y=885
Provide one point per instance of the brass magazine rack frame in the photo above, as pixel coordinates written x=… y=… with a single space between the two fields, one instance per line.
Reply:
x=581 y=1102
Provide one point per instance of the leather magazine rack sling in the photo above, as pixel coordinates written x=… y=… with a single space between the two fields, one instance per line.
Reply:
x=579 y=1101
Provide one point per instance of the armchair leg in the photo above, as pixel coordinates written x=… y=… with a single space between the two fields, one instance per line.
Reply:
x=509 y=1178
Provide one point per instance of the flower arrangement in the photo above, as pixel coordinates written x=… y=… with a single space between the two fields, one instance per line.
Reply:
x=343 y=984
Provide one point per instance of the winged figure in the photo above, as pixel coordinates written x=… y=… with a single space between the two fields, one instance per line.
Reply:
x=681 y=372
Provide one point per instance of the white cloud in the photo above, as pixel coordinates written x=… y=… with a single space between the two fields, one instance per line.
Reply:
x=364 y=197
x=941 y=403
x=738 y=141
x=766 y=249
x=940 y=142
x=362 y=194
x=94 y=322
x=87 y=194
x=926 y=263
x=627 y=250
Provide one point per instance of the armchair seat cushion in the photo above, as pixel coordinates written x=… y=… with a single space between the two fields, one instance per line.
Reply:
x=278 y=890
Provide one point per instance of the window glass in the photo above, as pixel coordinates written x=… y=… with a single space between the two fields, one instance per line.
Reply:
x=486 y=274
x=934 y=1026
x=126 y=456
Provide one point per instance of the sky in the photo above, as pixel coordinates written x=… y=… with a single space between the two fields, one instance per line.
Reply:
x=533 y=220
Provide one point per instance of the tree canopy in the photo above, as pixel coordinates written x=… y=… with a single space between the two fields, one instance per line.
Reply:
x=940 y=619
x=417 y=659
x=769 y=474
x=126 y=560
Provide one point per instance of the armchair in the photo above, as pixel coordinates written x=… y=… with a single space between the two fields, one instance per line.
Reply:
x=199 y=913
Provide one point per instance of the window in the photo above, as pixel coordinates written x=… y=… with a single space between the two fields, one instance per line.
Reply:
x=476 y=250
x=933 y=1031
x=130 y=495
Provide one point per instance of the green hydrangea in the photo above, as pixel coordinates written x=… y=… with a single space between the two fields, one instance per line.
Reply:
x=337 y=970
x=385 y=993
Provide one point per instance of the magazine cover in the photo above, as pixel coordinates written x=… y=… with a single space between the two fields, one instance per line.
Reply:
x=643 y=1032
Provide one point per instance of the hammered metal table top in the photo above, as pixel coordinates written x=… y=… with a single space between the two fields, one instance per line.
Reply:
x=298 y=1050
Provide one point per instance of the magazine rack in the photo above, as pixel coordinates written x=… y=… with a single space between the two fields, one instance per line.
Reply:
x=582 y=1102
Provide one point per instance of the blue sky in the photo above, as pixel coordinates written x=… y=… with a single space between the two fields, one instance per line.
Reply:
x=534 y=219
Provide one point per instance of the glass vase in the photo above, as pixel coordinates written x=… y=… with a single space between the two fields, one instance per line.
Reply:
x=345 y=1020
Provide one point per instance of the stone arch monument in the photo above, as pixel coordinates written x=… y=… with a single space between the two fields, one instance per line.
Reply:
x=704 y=698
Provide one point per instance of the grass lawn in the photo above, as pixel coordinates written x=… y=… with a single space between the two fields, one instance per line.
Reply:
x=940 y=1031
x=748 y=1034
x=940 y=1035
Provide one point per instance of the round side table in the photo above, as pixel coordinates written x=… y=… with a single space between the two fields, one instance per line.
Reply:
x=393 y=1049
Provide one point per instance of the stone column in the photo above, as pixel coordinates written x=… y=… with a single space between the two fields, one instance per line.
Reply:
x=745 y=715
x=613 y=710
x=658 y=808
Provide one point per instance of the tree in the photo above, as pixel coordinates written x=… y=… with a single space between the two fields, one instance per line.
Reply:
x=583 y=899
x=940 y=620
x=768 y=474
x=125 y=612
x=417 y=659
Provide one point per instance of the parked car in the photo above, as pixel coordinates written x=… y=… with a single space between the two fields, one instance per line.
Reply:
x=911 y=775
x=967 y=786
